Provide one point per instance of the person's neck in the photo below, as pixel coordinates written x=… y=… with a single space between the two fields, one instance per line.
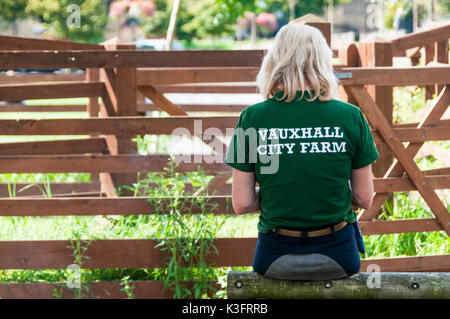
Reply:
x=299 y=88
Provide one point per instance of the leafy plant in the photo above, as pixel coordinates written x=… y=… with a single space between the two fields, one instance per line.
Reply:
x=187 y=239
x=47 y=191
x=79 y=248
x=57 y=293
x=127 y=286
x=12 y=189
x=407 y=244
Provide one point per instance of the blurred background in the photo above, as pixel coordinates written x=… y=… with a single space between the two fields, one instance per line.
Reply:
x=212 y=24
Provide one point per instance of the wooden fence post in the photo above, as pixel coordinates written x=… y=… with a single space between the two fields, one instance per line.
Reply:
x=430 y=49
x=350 y=57
x=442 y=57
x=375 y=53
x=120 y=98
x=93 y=75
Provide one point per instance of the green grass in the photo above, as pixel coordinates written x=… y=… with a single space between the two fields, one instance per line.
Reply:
x=44 y=177
x=408 y=244
x=64 y=101
x=227 y=44
x=407 y=101
x=210 y=44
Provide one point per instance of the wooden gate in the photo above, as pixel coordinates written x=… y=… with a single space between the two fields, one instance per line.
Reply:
x=121 y=76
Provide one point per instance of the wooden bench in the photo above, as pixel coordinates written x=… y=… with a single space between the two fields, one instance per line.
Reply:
x=429 y=285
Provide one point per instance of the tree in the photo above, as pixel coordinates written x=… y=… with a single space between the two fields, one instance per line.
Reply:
x=196 y=19
x=237 y=7
x=78 y=20
x=157 y=24
x=446 y=5
x=208 y=19
x=11 y=11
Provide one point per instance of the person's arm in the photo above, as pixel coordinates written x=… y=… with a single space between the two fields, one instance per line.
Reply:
x=362 y=187
x=245 y=197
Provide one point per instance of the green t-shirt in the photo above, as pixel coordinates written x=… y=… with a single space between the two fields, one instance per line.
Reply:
x=302 y=154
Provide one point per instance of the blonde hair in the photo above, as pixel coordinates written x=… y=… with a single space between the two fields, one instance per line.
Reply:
x=299 y=57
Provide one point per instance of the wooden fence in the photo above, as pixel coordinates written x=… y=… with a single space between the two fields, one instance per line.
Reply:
x=116 y=80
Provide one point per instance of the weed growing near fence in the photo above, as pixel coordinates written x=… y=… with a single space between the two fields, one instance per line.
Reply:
x=407 y=244
x=187 y=239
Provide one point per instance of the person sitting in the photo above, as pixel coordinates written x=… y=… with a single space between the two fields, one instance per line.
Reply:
x=310 y=155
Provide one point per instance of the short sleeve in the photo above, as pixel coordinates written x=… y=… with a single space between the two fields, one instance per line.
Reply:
x=238 y=151
x=366 y=151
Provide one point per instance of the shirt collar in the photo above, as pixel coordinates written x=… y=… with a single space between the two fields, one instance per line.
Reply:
x=298 y=94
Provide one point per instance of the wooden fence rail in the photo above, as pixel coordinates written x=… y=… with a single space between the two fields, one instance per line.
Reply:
x=141 y=253
x=250 y=285
x=172 y=125
x=129 y=58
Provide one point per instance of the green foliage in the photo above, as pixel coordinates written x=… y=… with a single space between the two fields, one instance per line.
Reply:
x=445 y=5
x=12 y=10
x=209 y=44
x=208 y=20
x=407 y=101
x=187 y=240
x=156 y=25
x=196 y=19
x=56 y=14
x=408 y=244
x=236 y=8
x=79 y=247
x=127 y=286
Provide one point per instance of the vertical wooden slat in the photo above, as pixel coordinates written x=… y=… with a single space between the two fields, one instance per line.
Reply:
x=350 y=57
x=429 y=57
x=93 y=107
x=372 y=54
x=441 y=57
x=140 y=100
x=92 y=74
x=379 y=53
x=120 y=98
